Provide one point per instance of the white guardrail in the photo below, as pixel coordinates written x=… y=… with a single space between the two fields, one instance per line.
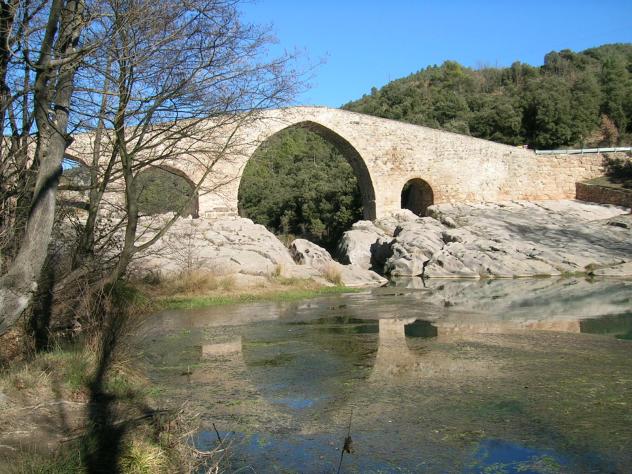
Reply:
x=582 y=151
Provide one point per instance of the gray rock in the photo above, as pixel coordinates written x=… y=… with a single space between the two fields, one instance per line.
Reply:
x=223 y=247
x=356 y=245
x=308 y=253
x=415 y=242
x=305 y=252
x=510 y=239
x=355 y=276
x=247 y=252
x=388 y=224
x=622 y=270
x=404 y=263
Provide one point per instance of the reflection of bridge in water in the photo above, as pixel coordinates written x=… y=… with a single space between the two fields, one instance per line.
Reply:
x=394 y=355
x=414 y=344
x=275 y=371
x=443 y=364
x=395 y=358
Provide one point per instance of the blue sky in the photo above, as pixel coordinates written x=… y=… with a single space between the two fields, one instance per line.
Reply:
x=368 y=43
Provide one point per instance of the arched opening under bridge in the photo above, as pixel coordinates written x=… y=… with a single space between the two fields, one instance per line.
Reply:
x=307 y=181
x=417 y=196
x=162 y=189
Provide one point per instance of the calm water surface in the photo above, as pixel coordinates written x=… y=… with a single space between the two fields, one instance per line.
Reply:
x=460 y=376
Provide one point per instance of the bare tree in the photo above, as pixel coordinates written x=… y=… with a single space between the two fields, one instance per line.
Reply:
x=140 y=83
x=58 y=58
x=181 y=78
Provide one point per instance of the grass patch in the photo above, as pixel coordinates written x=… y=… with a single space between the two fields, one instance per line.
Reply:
x=142 y=456
x=68 y=367
x=67 y=370
x=61 y=461
x=203 y=289
x=332 y=274
x=194 y=302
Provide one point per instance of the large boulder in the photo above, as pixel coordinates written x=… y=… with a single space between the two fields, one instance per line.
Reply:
x=414 y=243
x=305 y=252
x=223 y=247
x=308 y=253
x=391 y=222
x=358 y=245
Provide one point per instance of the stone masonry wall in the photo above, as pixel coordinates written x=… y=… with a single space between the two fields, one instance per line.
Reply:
x=386 y=154
x=604 y=195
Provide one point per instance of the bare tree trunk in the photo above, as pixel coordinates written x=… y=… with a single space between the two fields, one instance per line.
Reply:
x=17 y=286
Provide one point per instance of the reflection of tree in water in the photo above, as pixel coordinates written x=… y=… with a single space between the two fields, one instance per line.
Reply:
x=619 y=325
x=319 y=360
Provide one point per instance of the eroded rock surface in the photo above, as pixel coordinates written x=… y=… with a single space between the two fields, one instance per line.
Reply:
x=305 y=252
x=355 y=247
x=238 y=247
x=223 y=246
x=510 y=239
x=308 y=253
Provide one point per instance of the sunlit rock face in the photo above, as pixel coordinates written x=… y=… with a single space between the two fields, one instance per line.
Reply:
x=223 y=247
x=505 y=240
x=307 y=253
x=246 y=252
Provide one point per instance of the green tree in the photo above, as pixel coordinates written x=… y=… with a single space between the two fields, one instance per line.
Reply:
x=586 y=98
x=298 y=183
x=496 y=118
x=548 y=117
x=557 y=104
x=615 y=80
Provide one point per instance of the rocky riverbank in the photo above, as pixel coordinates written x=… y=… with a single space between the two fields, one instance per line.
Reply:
x=500 y=240
x=246 y=252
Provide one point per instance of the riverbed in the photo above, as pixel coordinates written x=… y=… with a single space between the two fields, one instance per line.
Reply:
x=522 y=375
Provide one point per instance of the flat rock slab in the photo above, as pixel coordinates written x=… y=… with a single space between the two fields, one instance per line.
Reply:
x=623 y=270
x=513 y=239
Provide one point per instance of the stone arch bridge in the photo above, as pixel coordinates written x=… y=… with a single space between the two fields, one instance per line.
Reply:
x=386 y=155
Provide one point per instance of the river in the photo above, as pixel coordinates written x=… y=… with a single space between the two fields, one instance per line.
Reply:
x=526 y=375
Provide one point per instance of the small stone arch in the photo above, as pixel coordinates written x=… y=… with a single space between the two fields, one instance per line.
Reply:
x=353 y=157
x=417 y=196
x=75 y=178
x=193 y=208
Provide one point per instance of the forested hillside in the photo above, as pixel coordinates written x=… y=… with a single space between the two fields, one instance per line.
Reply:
x=574 y=99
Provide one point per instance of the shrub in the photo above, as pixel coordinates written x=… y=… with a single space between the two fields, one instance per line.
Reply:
x=619 y=169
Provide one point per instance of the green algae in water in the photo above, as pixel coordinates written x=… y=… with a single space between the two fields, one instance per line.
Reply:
x=433 y=387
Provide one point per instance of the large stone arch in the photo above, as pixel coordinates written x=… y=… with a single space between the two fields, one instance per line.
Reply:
x=193 y=208
x=351 y=154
